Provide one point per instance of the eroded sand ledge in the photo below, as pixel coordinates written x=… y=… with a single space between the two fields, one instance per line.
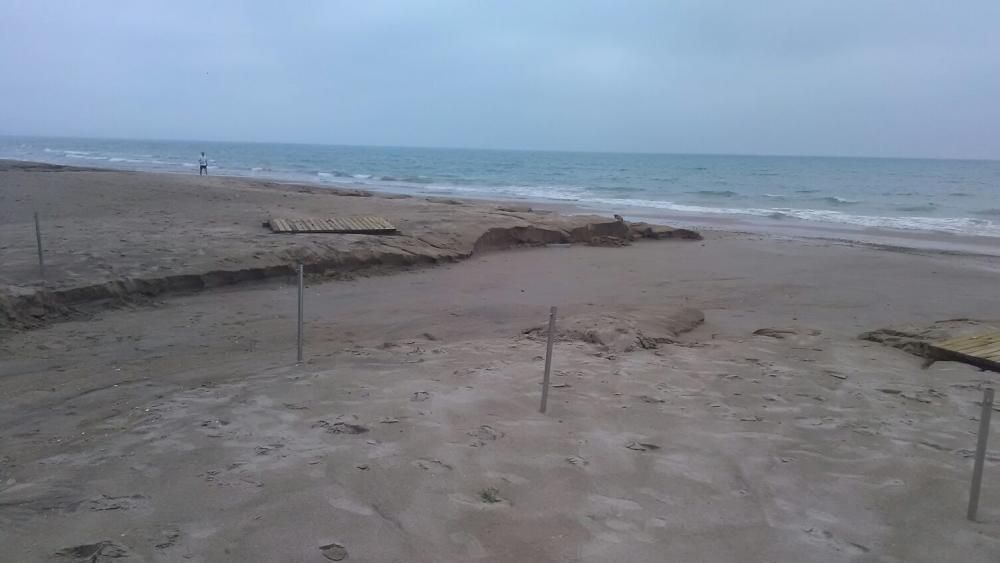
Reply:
x=117 y=237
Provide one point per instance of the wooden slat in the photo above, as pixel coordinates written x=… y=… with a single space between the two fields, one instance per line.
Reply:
x=971 y=342
x=981 y=350
x=358 y=224
x=988 y=351
x=968 y=345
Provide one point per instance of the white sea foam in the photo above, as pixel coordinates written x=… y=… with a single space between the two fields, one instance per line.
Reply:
x=85 y=156
x=954 y=225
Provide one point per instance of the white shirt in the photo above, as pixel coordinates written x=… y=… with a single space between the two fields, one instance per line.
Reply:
x=203 y=161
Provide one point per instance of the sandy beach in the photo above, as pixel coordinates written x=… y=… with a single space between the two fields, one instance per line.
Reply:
x=153 y=410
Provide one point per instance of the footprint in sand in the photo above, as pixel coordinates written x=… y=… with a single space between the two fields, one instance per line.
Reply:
x=435 y=466
x=341 y=427
x=101 y=551
x=104 y=502
x=483 y=435
x=641 y=446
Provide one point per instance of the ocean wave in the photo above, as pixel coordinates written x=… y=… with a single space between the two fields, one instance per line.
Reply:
x=834 y=200
x=715 y=193
x=537 y=192
x=774 y=196
x=992 y=212
x=959 y=194
x=407 y=179
x=361 y=176
x=924 y=208
x=807 y=191
x=950 y=225
x=84 y=156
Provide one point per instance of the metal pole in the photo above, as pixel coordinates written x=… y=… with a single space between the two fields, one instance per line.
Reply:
x=548 y=359
x=301 y=291
x=38 y=241
x=977 y=471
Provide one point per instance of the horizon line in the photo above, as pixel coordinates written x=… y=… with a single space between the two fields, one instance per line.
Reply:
x=504 y=149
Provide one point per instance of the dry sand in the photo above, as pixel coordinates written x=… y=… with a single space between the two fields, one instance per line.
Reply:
x=178 y=429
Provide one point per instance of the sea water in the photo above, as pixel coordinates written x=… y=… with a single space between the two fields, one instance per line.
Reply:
x=949 y=196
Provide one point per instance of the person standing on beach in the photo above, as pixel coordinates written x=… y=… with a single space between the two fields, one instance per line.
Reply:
x=203 y=165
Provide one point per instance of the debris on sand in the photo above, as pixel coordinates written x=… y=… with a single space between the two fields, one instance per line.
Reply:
x=420 y=396
x=490 y=495
x=334 y=551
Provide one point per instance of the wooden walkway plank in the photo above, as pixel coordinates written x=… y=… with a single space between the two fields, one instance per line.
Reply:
x=981 y=350
x=365 y=224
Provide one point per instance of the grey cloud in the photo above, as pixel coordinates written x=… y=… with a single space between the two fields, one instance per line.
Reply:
x=881 y=78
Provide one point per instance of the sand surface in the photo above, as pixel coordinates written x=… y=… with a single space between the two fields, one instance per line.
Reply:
x=179 y=429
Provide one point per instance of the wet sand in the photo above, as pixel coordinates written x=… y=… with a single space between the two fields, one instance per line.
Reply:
x=180 y=429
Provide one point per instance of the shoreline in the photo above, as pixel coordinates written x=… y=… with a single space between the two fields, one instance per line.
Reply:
x=928 y=240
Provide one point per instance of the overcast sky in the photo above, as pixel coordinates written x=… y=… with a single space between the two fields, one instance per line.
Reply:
x=826 y=77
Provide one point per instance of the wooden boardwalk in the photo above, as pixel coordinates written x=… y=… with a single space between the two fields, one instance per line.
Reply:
x=369 y=225
x=981 y=350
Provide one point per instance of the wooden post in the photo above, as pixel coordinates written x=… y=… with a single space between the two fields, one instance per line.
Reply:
x=38 y=242
x=301 y=291
x=977 y=470
x=548 y=359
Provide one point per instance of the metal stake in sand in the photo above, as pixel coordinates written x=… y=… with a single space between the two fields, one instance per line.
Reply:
x=301 y=291
x=548 y=359
x=38 y=241
x=977 y=471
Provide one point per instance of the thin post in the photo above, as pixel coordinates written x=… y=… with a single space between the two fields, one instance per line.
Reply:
x=548 y=359
x=301 y=291
x=38 y=241
x=977 y=470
